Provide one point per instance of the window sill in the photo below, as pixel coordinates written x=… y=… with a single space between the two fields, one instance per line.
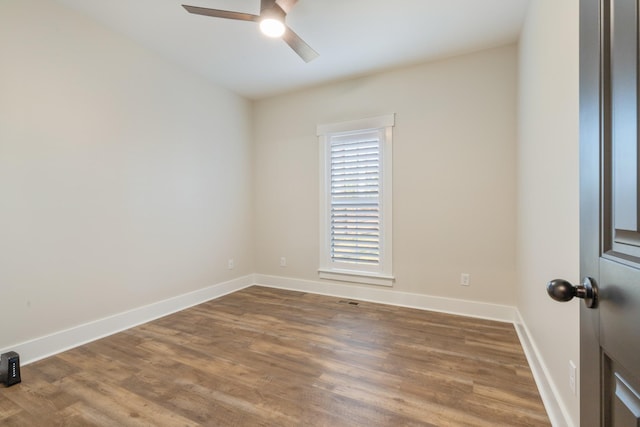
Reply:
x=357 y=277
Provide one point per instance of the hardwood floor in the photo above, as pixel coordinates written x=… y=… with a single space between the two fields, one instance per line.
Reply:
x=267 y=357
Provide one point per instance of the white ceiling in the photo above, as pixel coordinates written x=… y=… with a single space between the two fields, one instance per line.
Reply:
x=353 y=37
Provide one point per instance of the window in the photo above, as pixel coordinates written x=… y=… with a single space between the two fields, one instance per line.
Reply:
x=356 y=200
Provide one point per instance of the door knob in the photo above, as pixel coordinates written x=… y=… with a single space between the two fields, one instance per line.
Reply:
x=561 y=290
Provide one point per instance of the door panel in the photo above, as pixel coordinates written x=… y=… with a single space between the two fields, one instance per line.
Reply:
x=622 y=34
x=623 y=28
x=626 y=409
x=623 y=397
x=619 y=315
x=620 y=343
x=609 y=230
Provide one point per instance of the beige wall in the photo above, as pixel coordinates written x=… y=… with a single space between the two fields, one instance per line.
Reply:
x=454 y=173
x=124 y=179
x=548 y=212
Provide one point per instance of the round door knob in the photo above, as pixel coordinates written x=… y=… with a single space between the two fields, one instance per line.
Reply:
x=561 y=290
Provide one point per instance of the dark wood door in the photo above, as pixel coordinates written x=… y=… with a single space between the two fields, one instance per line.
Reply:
x=610 y=212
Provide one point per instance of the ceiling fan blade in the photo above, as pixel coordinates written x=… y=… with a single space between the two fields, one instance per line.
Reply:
x=286 y=5
x=221 y=13
x=299 y=46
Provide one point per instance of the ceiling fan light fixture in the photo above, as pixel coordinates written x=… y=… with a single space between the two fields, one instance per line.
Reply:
x=272 y=27
x=273 y=14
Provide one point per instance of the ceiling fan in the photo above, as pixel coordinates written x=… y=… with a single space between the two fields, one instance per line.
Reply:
x=271 y=19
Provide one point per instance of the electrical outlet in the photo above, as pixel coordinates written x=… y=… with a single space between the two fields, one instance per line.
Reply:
x=572 y=376
x=230 y=264
x=283 y=262
x=465 y=279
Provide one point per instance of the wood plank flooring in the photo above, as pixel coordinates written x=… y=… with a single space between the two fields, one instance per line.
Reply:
x=268 y=357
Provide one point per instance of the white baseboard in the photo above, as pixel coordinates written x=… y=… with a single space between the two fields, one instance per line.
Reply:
x=502 y=313
x=39 y=348
x=556 y=410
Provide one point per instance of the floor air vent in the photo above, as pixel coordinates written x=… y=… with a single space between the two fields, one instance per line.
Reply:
x=348 y=302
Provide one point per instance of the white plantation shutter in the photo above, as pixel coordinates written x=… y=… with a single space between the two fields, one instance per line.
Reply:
x=355 y=202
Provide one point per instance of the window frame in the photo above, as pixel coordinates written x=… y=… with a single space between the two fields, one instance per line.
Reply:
x=382 y=274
